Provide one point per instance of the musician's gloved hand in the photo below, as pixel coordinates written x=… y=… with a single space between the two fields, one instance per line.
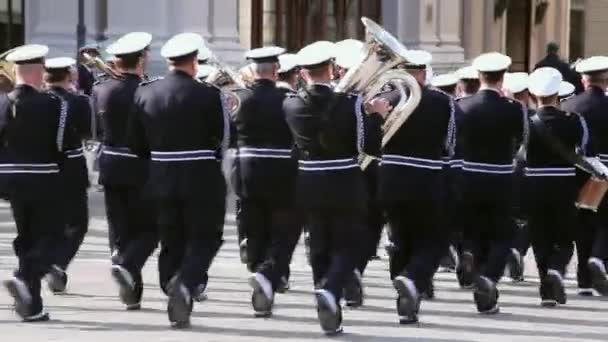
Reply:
x=378 y=105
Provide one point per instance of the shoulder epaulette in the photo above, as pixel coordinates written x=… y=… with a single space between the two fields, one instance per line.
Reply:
x=150 y=80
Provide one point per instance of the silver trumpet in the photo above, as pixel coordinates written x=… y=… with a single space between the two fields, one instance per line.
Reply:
x=375 y=71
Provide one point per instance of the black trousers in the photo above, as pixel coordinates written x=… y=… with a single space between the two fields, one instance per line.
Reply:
x=240 y=229
x=552 y=235
x=335 y=246
x=133 y=230
x=488 y=228
x=39 y=225
x=591 y=241
x=272 y=231
x=76 y=226
x=419 y=241
x=191 y=231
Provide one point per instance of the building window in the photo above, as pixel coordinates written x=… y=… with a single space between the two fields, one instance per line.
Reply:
x=11 y=24
x=577 y=34
x=296 y=23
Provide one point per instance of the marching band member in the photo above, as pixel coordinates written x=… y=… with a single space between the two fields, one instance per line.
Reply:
x=264 y=178
x=132 y=230
x=592 y=240
x=446 y=83
x=550 y=184
x=410 y=189
x=515 y=86
x=328 y=129
x=29 y=176
x=468 y=81
x=490 y=124
x=75 y=176
x=566 y=90
x=186 y=180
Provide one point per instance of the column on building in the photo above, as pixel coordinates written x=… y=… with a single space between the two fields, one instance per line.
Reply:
x=427 y=25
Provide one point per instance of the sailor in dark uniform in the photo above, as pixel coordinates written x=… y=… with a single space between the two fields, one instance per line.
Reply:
x=491 y=128
x=75 y=177
x=447 y=83
x=288 y=82
x=592 y=239
x=30 y=154
x=328 y=129
x=349 y=54
x=550 y=184
x=181 y=125
x=410 y=189
x=566 y=91
x=263 y=177
x=468 y=81
x=515 y=86
x=132 y=230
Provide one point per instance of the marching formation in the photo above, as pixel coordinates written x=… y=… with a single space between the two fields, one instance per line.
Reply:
x=466 y=171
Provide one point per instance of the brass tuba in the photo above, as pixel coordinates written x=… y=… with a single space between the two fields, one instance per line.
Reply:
x=226 y=78
x=375 y=71
x=7 y=73
x=101 y=65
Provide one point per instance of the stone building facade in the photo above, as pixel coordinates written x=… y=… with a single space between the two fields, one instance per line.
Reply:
x=455 y=31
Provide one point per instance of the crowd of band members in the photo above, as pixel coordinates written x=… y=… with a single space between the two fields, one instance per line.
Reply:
x=445 y=184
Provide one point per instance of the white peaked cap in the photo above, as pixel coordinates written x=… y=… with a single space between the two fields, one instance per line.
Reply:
x=418 y=57
x=270 y=53
x=566 y=88
x=516 y=82
x=59 y=63
x=204 y=53
x=592 y=64
x=130 y=43
x=468 y=73
x=316 y=53
x=444 y=80
x=28 y=52
x=491 y=62
x=545 y=82
x=287 y=62
x=181 y=45
x=349 y=53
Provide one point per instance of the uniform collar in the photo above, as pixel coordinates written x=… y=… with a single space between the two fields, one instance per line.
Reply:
x=264 y=82
x=484 y=87
x=285 y=85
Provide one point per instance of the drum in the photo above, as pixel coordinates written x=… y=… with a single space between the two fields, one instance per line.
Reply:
x=591 y=194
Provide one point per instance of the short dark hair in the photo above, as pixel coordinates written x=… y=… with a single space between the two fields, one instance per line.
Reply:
x=492 y=77
x=56 y=75
x=470 y=86
x=545 y=100
x=185 y=59
x=284 y=76
x=552 y=47
x=128 y=61
x=451 y=89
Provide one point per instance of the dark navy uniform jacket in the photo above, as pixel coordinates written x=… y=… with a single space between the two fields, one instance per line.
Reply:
x=489 y=133
x=412 y=164
x=29 y=153
x=549 y=178
x=329 y=143
x=118 y=166
x=77 y=128
x=265 y=167
x=179 y=124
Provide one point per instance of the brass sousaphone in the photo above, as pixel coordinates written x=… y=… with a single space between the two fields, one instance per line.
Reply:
x=376 y=70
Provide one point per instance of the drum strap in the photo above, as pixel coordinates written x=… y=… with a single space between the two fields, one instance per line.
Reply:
x=558 y=147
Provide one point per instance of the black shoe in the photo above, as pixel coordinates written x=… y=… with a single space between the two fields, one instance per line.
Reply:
x=243 y=251
x=20 y=292
x=353 y=291
x=408 y=302
x=179 y=307
x=429 y=293
x=465 y=271
x=57 y=279
x=598 y=276
x=486 y=296
x=328 y=312
x=374 y=257
x=262 y=297
x=556 y=284
x=40 y=317
x=548 y=303
x=126 y=284
x=586 y=292
x=115 y=257
x=199 y=293
x=137 y=295
x=516 y=266
x=283 y=285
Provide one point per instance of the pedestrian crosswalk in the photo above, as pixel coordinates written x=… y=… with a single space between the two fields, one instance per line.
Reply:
x=92 y=312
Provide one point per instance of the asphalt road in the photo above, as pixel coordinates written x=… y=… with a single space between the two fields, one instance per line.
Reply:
x=91 y=311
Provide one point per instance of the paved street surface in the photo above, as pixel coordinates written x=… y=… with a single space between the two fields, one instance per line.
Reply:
x=91 y=311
